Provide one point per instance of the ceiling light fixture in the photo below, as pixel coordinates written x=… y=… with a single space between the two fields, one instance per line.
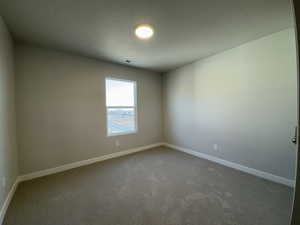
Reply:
x=144 y=31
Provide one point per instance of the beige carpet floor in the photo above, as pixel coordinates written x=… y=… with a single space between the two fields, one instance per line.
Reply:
x=155 y=187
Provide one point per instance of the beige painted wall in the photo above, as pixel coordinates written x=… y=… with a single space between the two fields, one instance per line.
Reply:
x=8 y=146
x=61 y=110
x=244 y=100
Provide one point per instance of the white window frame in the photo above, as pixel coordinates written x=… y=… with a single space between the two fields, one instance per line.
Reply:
x=129 y=107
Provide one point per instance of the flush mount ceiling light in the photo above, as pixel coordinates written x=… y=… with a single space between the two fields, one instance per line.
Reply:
x=144 y=31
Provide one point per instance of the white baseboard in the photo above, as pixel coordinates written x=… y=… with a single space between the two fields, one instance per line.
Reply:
x=8 y=200
x=258 y=173
x=84 y=162
x=66 y=167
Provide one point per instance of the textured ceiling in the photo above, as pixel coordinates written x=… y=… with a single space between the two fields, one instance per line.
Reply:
x=185 y=30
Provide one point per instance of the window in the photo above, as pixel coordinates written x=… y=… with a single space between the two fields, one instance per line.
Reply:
x=121 y=106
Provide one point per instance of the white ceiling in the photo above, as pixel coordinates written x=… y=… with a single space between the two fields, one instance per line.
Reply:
x=185 y=30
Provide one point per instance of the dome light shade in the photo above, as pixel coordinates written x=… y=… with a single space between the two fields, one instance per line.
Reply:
x=144 y=31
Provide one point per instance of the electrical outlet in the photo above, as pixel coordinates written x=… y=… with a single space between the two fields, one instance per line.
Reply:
x=117 y=143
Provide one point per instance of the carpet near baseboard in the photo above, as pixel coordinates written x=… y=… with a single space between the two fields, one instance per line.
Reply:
x=245 y=169
x=8 y=200
x=66 y=167
x=255 y=172
x=264 y=175
x=160 y=187
x=85 y=162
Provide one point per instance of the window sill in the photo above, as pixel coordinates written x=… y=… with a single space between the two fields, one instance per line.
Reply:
x=120 y=134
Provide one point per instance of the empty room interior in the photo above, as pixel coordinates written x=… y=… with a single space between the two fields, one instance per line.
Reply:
x=147 y=112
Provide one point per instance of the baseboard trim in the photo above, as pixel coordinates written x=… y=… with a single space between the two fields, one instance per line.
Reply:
x=255 y=172
x=69 y=166
x=30 y=176
x=8 y=200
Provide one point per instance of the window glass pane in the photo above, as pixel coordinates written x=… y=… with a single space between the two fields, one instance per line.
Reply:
x=119 y=93
x=121 y=120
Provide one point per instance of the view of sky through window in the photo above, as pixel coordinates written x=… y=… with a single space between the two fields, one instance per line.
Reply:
x=121 y=108
x=119 y=93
